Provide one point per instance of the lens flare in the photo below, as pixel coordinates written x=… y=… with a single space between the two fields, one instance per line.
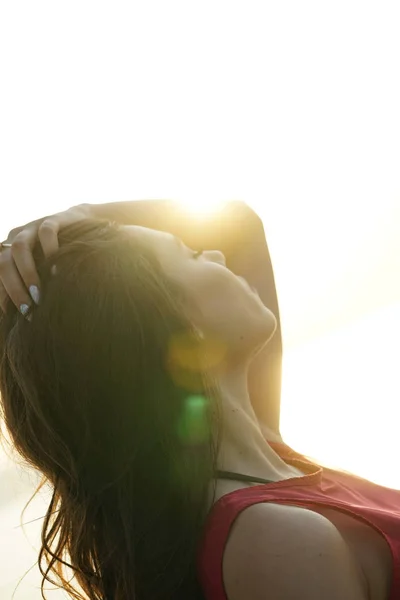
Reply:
x=188 y=352
x=193 y=426
x=203 y=207
x=188 y=358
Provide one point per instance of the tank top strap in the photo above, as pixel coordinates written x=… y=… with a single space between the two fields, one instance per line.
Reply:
x=240 y=477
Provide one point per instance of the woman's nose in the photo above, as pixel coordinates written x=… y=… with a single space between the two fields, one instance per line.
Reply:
x=216 y=256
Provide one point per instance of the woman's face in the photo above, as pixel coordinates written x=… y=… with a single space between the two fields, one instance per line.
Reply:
x=220 y=303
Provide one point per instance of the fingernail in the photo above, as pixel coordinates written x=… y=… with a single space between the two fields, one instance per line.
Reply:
x=24 y=309
x=35 y=294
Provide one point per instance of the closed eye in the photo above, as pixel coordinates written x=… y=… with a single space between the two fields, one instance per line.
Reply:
x=198 y=253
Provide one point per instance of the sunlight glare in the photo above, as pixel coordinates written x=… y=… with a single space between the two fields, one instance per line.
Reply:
x=340 y=394
x=203 y=206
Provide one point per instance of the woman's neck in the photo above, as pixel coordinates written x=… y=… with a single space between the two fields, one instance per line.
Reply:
x=244 y=448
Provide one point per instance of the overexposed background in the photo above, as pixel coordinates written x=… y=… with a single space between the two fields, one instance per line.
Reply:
x=290 y=106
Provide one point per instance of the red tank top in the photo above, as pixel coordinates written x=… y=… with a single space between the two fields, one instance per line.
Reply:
x=376 y=505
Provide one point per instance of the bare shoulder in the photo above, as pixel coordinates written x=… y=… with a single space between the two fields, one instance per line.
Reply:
x=283 y=552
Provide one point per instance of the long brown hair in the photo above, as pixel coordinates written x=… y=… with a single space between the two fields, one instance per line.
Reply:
x=127 y=437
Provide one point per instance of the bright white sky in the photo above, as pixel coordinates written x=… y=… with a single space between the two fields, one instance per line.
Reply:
x=290 y=106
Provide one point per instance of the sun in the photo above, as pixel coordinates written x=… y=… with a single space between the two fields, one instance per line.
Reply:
x=203 y=206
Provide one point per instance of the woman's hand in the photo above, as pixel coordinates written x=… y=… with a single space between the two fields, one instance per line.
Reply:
x=19 y=280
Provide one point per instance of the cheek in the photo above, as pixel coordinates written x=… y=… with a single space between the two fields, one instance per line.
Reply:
x=215 y=291
x=231 y=310
x=224 y=303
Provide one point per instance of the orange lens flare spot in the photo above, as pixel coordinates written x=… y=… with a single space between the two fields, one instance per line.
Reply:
x=189 y=353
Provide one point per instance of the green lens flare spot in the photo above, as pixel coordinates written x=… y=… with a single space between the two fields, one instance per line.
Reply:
x=193 y=426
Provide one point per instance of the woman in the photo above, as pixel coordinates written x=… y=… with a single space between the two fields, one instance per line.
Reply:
x=123 y=379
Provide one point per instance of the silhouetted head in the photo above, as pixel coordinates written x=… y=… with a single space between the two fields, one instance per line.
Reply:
x=110 y=392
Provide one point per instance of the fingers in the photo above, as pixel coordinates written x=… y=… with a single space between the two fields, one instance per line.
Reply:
x=21 y=263
x=11 y=285
x=48 y=235
x=19 y=279
x=51 y=226
x=3 y=297
x=18 y=275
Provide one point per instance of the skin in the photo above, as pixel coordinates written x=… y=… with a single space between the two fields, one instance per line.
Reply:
x=221 y=305
x=224 y=308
